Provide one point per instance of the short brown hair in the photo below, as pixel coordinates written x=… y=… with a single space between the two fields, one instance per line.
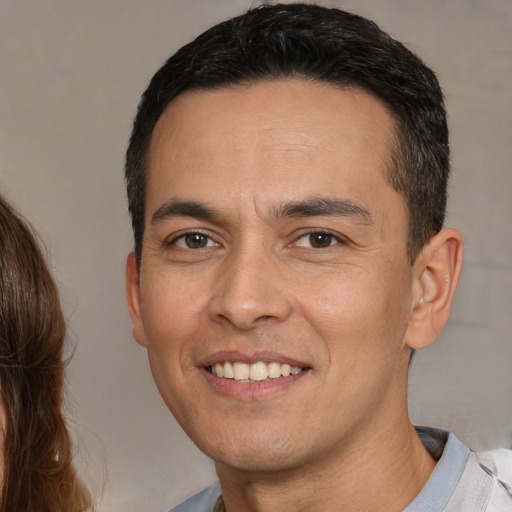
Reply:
x=275 y=42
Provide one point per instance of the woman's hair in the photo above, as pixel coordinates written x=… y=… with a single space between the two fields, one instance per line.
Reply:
x=38 y=474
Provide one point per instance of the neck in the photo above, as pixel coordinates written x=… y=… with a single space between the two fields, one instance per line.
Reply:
x=383 y=471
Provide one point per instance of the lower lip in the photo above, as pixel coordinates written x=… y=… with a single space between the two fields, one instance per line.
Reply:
x=250 y=391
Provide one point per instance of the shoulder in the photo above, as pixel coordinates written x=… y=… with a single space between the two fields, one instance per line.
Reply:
x=203 y=501
x=486 y=481
x=464 y=480
x=499 y=463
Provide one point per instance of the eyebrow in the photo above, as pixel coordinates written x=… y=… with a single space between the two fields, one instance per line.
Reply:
x=178 y=208
x=319 y=207
x=311 y=207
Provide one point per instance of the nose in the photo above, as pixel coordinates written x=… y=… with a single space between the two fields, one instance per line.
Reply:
x=250 y=291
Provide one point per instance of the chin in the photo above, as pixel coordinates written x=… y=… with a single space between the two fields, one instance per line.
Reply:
x=265 y=453
x=252 y=463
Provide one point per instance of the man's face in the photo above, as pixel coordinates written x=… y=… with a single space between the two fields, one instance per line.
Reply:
x=274 y=240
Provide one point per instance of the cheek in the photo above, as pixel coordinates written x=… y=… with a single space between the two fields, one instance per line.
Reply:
x=171 y=308
x=169 y=313
x=337 y=303
x=358 y=313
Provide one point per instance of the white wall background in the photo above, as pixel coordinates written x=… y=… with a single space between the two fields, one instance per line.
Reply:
x=71 y=73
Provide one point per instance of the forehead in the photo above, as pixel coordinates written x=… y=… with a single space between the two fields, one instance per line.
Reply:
x=270 y=139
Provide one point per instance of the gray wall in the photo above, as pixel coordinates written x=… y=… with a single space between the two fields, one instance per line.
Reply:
x=70 y=76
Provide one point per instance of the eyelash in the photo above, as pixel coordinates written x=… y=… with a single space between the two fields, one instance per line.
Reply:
x=183 y=236
x=334 y=239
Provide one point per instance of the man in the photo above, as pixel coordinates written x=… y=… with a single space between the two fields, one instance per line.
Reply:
x=287 y=178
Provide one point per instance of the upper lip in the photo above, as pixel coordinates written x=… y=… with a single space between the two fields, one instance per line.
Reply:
x=244 y=357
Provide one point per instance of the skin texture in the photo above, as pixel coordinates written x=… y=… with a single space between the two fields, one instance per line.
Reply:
x=252 y=170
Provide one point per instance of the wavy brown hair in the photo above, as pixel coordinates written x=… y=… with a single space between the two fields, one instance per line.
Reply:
x=38 y=474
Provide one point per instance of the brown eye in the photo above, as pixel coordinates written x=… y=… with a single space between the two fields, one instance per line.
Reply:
x=317 y=240
x=320 y=240
x=196 y=241
x=193 y=240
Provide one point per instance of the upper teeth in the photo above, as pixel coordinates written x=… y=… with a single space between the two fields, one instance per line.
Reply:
x=255 y=371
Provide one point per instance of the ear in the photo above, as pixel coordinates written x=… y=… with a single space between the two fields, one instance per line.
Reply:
x=437 y=271
x=133 y=298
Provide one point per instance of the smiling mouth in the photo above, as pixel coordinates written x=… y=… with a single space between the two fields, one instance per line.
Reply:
x=255 y=372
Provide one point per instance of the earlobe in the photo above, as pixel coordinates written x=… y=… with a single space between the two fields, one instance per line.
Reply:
x=133 y=298
x=438 y=269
